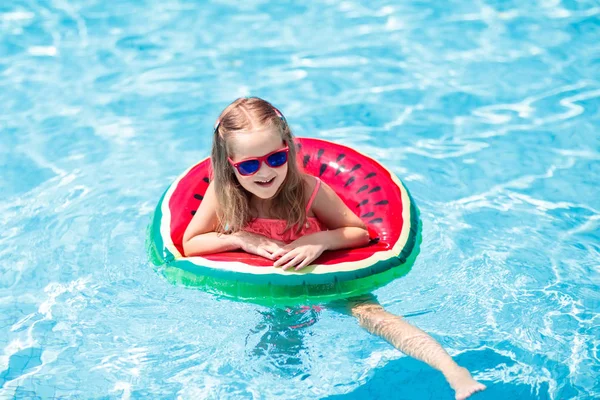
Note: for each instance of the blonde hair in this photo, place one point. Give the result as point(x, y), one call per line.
point(247, 114)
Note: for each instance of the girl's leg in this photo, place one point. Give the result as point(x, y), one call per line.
point(413, 342)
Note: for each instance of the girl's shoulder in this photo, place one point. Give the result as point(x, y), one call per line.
point(310, 184)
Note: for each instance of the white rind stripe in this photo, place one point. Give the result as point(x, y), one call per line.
point(165, 222)
point(243, 268)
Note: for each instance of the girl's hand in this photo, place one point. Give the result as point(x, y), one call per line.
point(300, 252)
point(258, 244)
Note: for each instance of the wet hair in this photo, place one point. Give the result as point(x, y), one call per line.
point(244, 116)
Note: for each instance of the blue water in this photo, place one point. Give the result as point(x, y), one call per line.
point(488, 110)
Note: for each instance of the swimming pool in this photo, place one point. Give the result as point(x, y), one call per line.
point(489, 111)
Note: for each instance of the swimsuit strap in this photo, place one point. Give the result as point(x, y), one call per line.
point(314, 194)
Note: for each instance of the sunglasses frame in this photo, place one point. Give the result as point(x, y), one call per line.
point(260, 160)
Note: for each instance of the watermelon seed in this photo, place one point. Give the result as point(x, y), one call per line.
point(320, 153)
point(362, 203)
point(375, 189)
point(367, 215)
point(198, 197)
point(357, 166)
point(340, 157)
point(370, 175)
point(382, 203)
point(349, 181)
point(338, 170)
point(322, 169)
point(305, 160)
point(364, 187)
point(376, 221)
point(205, 179)
point(194, 212)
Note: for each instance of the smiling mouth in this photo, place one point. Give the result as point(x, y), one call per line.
point(265, 183)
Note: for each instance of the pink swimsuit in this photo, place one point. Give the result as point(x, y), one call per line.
point(274, 228)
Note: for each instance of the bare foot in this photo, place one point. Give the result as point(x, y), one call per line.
point(463, 383)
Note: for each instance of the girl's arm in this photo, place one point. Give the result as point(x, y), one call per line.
point(200, 236)
point(345, 230)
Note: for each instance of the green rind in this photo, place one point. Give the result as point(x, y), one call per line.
point(154, 242)
point(224, 284)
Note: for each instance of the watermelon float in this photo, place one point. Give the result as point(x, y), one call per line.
point(374, 193)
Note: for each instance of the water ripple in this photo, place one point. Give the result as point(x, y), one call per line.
point(488, 111)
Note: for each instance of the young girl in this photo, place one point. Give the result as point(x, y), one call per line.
point(259, 201)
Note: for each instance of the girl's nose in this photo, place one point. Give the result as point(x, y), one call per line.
point(263, 168)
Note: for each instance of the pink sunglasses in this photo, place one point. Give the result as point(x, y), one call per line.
point(250, 166)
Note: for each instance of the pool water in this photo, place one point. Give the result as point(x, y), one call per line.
point(489, 111)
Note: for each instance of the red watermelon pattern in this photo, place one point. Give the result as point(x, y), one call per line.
point(363, 184)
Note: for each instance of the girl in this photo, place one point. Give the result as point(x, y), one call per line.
point(263, 204)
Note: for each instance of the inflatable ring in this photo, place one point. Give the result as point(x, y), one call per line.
point(374, 193)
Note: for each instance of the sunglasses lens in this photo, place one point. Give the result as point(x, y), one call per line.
point(277, 159)
point(248, 167)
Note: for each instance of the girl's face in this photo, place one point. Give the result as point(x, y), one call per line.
point(266, 181)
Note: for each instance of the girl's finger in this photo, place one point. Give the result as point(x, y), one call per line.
point(263, 253)
point(281, 252)
point(268, 248)
point(303, 264)
point(285, 258)
point(280, 260)
point(293, 262)
point(276, 254)
point(270, 251)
